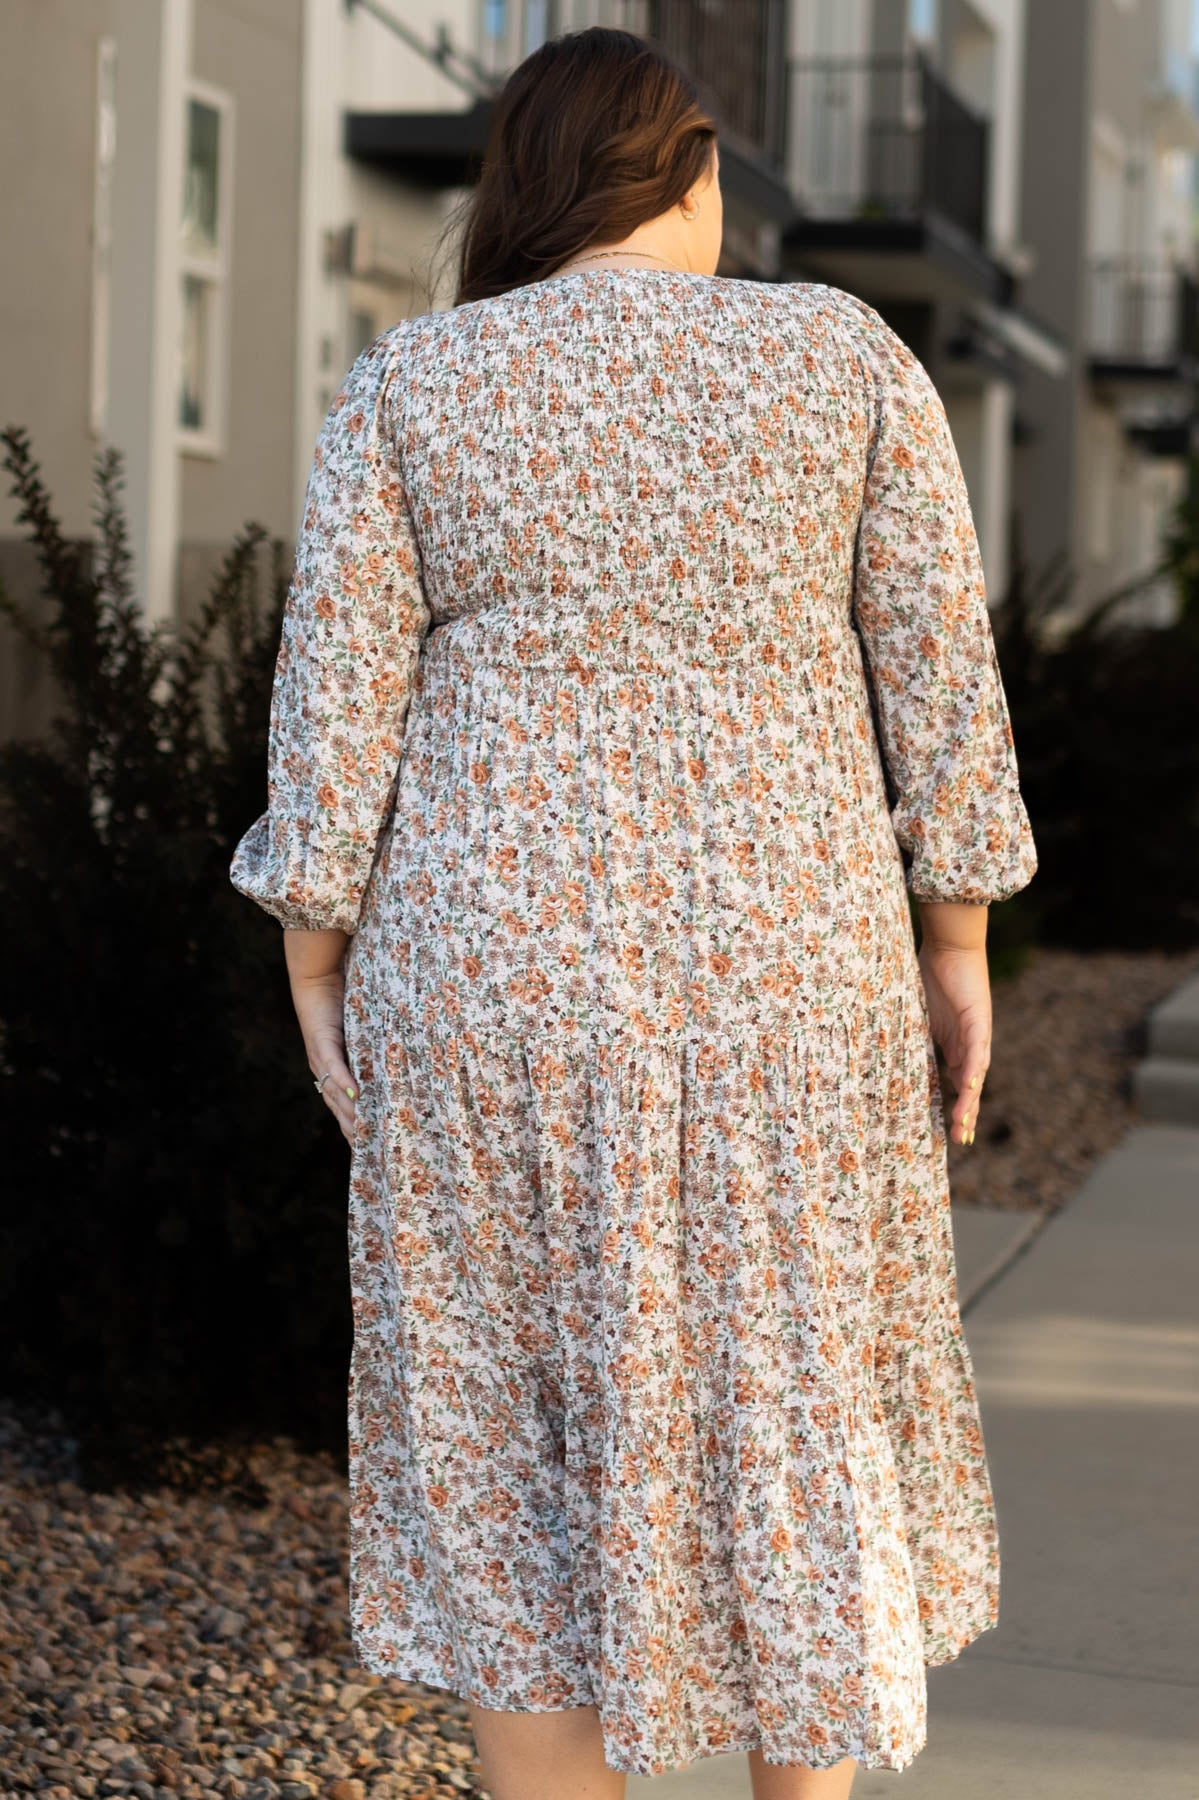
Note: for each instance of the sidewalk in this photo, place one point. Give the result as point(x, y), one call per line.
point(1086, 1350)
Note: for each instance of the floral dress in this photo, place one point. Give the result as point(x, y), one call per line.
point(636, 667)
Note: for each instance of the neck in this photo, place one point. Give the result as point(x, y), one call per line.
point(656, 258)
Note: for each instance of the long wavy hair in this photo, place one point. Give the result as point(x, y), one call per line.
point(592, 135)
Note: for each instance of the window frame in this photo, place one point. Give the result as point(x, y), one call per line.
point(103, 178)
point(213, 268)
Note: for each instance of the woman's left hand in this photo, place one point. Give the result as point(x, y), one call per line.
point(315, 967)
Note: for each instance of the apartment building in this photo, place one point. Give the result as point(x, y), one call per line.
point(152, 214)
point(222, 201)
point(905, 155)
point(1107, 196)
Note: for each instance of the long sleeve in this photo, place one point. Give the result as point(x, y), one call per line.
point(920, 609)
point(352, 629)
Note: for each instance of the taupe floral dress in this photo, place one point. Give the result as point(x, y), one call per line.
point(636, 664)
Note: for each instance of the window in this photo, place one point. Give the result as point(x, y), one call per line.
point(540, 24)
point(1102, 485)
point(204, 238)
point(1109, 192)
point(102, 240)
point(364, 328)
point(922, 19)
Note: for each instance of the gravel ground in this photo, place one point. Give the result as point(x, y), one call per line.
point(183, 1643)
point(166, 1644)
point(1066, 1032)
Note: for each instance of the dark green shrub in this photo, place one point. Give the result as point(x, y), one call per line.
point(174, 1215)
point(1104, 716)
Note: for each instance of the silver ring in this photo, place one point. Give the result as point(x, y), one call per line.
point(318, 1085)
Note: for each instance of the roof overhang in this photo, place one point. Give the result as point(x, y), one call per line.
point(1144, 380)
point(430, 149)
point(758, 186)
point(922, 257)
point(1026, 340)
point(445, 150)
point(1165, 437)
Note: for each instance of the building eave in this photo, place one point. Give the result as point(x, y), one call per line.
point(430, 149)
point(1167, 438)
point(445, 150)
point(1029, 340)
point(1143, 380)
point(920, 257)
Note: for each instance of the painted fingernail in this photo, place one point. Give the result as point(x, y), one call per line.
point(351, 1093)
point(974, 1081)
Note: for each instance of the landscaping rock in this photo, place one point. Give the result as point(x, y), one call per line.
point(153, 1643)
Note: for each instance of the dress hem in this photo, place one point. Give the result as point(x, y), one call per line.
point(645, 1767)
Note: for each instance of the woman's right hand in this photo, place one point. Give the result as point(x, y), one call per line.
point(957, 988)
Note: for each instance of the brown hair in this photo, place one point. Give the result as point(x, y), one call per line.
point(593, 134)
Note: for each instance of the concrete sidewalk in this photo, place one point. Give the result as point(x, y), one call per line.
point(1085, 1342)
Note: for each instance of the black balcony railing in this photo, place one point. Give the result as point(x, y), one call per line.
point(885, 137)
point(1144, 314)
point(736, 50)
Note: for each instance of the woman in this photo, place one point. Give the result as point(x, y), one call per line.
point(636, 668)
